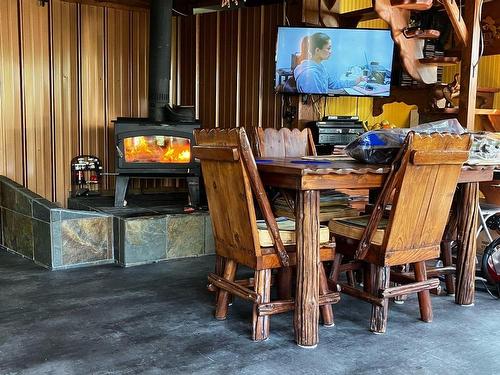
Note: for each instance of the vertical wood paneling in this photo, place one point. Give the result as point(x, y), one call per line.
point(250, 66)
point(271, 103)
point(208, 45)
point(187, 59)
point(65, 54)
point(36, 72)
point(139, 63)
point(11, 144)
point(93, 84)
point(118, 76)
point(228, 65)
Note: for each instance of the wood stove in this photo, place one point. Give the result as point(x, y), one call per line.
point(153, 149)
point(160, 145)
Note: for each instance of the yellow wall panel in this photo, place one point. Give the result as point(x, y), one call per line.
point(11, 143)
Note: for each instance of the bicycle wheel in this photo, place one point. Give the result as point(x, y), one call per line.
point(490, 265)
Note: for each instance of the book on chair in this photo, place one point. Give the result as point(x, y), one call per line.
point(354, 227)
point(287, 232)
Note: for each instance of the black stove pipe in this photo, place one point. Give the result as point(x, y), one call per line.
point(160, 30)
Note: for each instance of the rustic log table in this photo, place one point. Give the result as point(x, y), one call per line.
point(309, 177)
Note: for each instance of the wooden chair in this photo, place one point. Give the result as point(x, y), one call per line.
point(231, 181)
point(289, 143)
point(284, 142)
point(423, 178)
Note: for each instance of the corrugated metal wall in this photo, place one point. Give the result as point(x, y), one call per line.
point(232, 53)
point(67, 70)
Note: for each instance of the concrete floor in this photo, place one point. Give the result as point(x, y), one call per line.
point(157, 319)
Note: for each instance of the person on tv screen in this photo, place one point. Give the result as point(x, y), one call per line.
point(311, 75)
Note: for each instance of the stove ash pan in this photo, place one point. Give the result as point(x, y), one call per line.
point(148, 149)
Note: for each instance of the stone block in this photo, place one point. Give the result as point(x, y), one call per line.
point(41, 209)
point(42, 243)
point(86, 240)
point(144, 240)
point(17, 230)
point(17, 198)
point(185, 235)
point(55, 231)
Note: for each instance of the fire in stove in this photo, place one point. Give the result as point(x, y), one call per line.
point(157, 149)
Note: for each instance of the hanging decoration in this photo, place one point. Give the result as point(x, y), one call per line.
point(228, 3)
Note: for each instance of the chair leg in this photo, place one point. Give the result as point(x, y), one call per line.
point(351, 280)
point(220, 262)
point(424, 297)
point(284, 283)
point(446, 257)
point(380, 278)
point(222, 297)
point(326, 310)
point(260, 324)
point(335, 270)
point(402, 298)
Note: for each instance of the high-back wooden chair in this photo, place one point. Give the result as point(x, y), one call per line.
point(231, 181)
point(284, 142)
point(423, 179)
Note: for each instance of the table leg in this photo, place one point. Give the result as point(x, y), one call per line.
point(467, 227)
point(306, 316)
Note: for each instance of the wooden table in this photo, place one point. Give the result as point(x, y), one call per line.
point(308, 178)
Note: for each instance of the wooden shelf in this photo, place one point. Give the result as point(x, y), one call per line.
point(479, 111)
point(412, 4)
point(486, 111)
point(421, 34)
point(441, 61)
point(449, 111)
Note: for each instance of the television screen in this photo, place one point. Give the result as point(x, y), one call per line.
point(334, 61)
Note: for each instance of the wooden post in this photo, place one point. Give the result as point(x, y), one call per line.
point(378, 323)
point(467, 226)
point(260, 324)
point(469, 65)
point(306, 314)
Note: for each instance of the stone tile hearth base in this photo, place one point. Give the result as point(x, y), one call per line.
point(94, 232)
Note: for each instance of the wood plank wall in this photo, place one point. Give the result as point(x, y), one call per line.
point(232, 53)
point(67, 70)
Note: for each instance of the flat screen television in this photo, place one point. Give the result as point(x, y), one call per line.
point(334, 61)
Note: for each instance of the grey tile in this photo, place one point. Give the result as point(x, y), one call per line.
point(17, 232)
point(41, 209)
point(118, 239)
point(86, 240)
point(42, 243)
point(56, 243)
point(144, 240)
point(55, 215)
point(74, 214)
point(185, 235)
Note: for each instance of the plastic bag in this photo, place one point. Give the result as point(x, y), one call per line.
point(382, 146)
point(485, 149)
